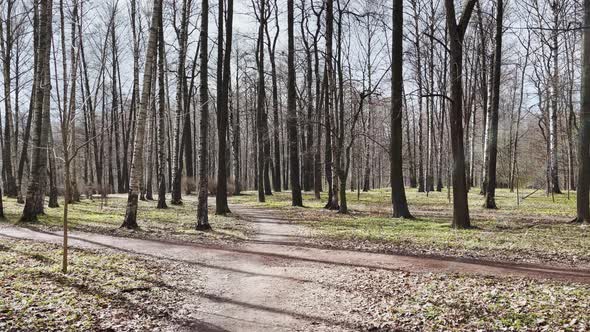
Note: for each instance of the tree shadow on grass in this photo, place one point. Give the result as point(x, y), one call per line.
point(432, 263)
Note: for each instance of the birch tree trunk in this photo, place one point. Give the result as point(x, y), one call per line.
point(136, 174)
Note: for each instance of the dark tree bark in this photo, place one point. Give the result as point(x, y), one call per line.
point(292, 135)
point(556, 88)
point(490, 188)
point(456, 35)
point(10, 147)
point(421, 183)
point(272, 42)
point(260, 104)
point(53, 193)
point(398, 192)
point(308, 150)
point(236, 140)
point(202, 213)
point(32, 103)
point(221, 206)
point(36, 189)
point(161, 129)
point(317, 170)
point(183, 144)
point(582, 199)
point(332, 203)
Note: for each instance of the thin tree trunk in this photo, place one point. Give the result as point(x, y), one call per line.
point(138, 142)
point(202, 213)
point(582, 198)
point(292, 135)
point(221, 205)
point(490, 189)
point(9, 151)
point(260, 103)
point(398, 192)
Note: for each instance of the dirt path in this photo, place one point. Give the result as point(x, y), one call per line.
point(274, 283)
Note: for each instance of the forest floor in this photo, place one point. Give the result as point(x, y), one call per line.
point(273, 273)
point(535, 230)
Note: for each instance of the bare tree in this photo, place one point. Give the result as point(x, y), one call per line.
point(398, 192)
point(293, 137)
point(582, 200)
point(456, 35)
point(38, 174)
point(161, 120)
point(202, 213)
point(490, 188)
point(138, 141)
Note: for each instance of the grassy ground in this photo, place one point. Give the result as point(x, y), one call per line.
point(534, 230)
point(103, 290)
point(106, 216)
point(111, 291)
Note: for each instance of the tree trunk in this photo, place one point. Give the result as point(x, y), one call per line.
point(260, 104)
point(9, 151)
point(490, 189)
point(221, 206)
point(398, 192)
point(138, 142)
point(418, 74)
point(456, 35)
point(36, 189)
point(161, 128)
point(236, 142)
point(329, 95)
point(292, 135)
point(202, 213)
point(582, 199)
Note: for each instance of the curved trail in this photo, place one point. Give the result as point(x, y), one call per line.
point(272, 282)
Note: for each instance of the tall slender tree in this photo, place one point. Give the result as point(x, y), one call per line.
point(582, 199)
point(202, 213)
point(136, 174)
point(490, 188)
point(161, 121)
point(224, 61)
point(292, 135)
point(329, 98)
point(10, 146)
point(38, 174)
point(261, 104)
point(182, 141)
point(456, 36)
point(398, 192)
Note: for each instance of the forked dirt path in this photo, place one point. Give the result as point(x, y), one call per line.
point(274, 282)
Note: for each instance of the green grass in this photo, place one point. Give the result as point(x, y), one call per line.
point(107, 216)
point(509, 239)
point(535, 229)
point(538, 204)
point(35, 295)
